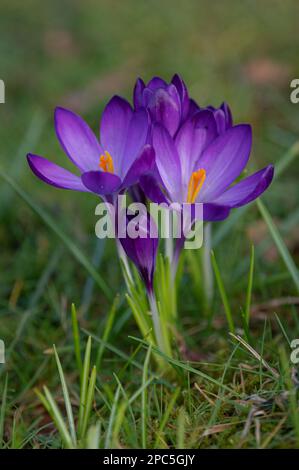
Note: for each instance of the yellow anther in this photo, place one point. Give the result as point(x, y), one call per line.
point(106, 162)
point(195, 183)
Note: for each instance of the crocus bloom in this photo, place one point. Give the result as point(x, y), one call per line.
point(199, 166)
point(142, 250)
point(107, 166)
point(168, 104)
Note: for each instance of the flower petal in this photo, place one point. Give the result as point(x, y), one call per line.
point(135, 140)
point(180, 85)
point(152, 190)
point(53, 174)
point(114, 127)
point(155, 83)
point(77, 139)
point(192, 138)
point(224, 160)
point(137, 94)
point(164, 107)
point(168, 162)
point(215, 212)
point(248, 189)
point(143, 164)
point(101, 183)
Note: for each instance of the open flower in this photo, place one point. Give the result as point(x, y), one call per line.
point(168, 104)
point(106, 167)
point(200, 166)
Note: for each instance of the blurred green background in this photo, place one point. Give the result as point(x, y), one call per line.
point(79, 53)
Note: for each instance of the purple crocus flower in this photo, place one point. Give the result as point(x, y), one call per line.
point(168, 104)
point(107, 166)
point(142, 250)
point(199, 166)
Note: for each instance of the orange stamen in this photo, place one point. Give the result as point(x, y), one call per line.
point(106, 162)
point(195, 183)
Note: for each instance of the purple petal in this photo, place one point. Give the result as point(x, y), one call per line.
point(248, 189)
point(228, 115)
point(220, 120)
point(114, 127)
point(168, 162)
point(53, 174)
point(101, 183)
point(77, 139)
point(155, 83)
point(193, 108)
point(215, 212)
point(183, 93)
point(152, 189)
point(143, 250)
point(164, 107)
point(189, 143)
point(142, 165)
point(138, 92)
point(224, 160)
point(135, 140)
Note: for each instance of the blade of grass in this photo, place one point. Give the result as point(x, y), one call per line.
point(68, 242)
point(84, 387)
point(111, 419)
point(93, 436)
point(144, 403)
point(3, 410)
point(89, 399)
point(76, 337)
point(249, 287)
point(223, 295)
point(280, 244)
point(50, 405)
point(107, 330)
point(165, 417)
point(67, 401)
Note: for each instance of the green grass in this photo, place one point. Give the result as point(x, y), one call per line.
point(59, 285)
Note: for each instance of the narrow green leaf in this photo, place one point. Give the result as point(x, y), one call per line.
point(223, 295)
point(107, 330)
point(249, 287)
point(144, 402)
point(3, 410)
point(84, 386)
point(89, 399)
point(76, 337)
point(53, 409)
point(67, 401)
point(280, 244)
point(111, 419)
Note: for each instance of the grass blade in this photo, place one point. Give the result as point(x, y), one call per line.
point(67, 401)
point(107, 330)
point(84, 386)
point(280, 244)
point(223, 295)
point(50, 405)
point(76, 337)
point(249, 287)
point(111, 419)
point(144, 403)
point(89, 399)
point(2, 411)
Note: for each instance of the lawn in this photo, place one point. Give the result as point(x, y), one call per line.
point(230, 382)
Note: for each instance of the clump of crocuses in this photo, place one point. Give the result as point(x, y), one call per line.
point(167, 149)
